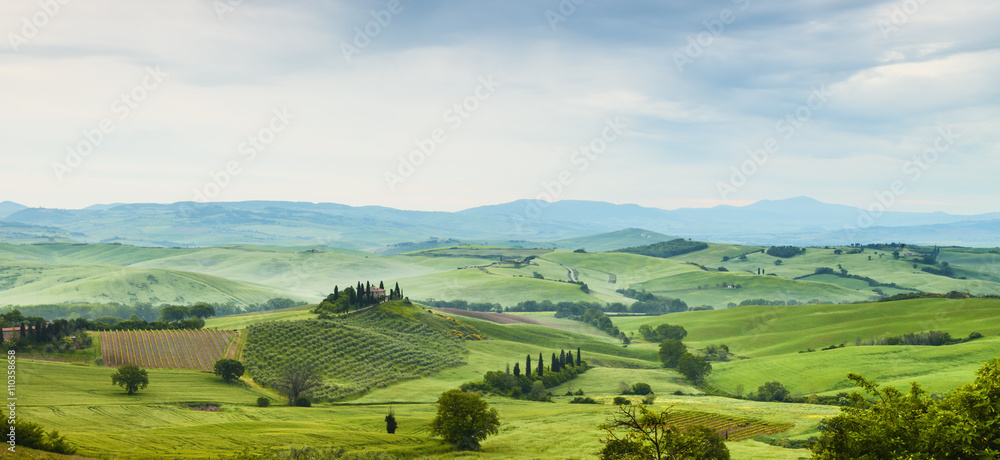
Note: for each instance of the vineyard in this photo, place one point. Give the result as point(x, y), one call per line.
point(732, 429)
point(173, 349)
point(355, 354)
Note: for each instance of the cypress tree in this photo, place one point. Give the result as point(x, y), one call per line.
point(554, 367)
point(380, 285)
point(517, 369)
point(562, 358)
point(577, 356)
point(336, 292)
point(24, 334)
point(508, 368)
point(541, 365)
point(527, 366)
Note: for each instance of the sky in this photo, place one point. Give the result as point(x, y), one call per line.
point(447, 105)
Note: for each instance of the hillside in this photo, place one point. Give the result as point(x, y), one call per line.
point(772, 337)
point(30, 283)
point(613, 240)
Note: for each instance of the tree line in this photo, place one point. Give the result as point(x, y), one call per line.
point(146, 311)
point(531, 384)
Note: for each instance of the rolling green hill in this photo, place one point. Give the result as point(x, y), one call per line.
point(771, 337)
point(613, 240)
point(29, 283)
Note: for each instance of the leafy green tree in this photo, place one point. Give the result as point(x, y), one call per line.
point(636, 433)
point(229, 369)
point(203, 311)
point(298, 378)
point(464, 419)
point(772, 391)
point(131, 378)
point(694, 368)
point(174, 313)
point(671, 351)
point(641, 389)
point(960, 425)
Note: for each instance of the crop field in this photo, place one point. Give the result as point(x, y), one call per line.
point(733, 429)
point(355, 354)
point(184, 349)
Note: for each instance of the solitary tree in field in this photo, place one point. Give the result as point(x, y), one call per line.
point(464, 419)
point(671, 351)
point(695, 368)
point(298, 378)
point(390, 422)
point(131, 378)
point(228, 369)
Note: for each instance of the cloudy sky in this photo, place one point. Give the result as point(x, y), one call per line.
point(445, 105)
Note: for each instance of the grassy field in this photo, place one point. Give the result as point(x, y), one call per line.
point(79, 401)
point(773, 336)
point(29, 283)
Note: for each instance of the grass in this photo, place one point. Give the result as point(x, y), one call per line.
point(30, 283)
point(241, 321)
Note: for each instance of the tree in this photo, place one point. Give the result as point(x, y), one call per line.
point(671, 351)
point(298, 378)
point(636, 433)
point(562, 358)
point(838, 251)
point(131, 378)
point(517, 369)
point(203, 311)
point(777, 262)
point(390, 422)
point(693, 367)
point(772, 391)
point(464, 419)
point(961, 424)
point(541, 366)
point(527, 367)
point(174, 313)
point(229, 369)
point(555, 363)
point(577, 356)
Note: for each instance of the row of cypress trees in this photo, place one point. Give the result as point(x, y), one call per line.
point(558, 363)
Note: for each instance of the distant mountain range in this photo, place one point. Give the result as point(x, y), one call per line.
point(799, 220)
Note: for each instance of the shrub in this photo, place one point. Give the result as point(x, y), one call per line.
point(303, 401)
point(263, 401)
point(641, 389)
point(622, 401)
point(648, 399)
point(579, 392)
point(583, 400)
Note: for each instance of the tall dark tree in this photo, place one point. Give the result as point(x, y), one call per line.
point(24, 333)
point(577, 356)
point(555, 363)
point(517, 369)
point(381, 286)
point(336, 292)
point(390, 422)
point(541, 366)
point(562, 358)
point(527, 367)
